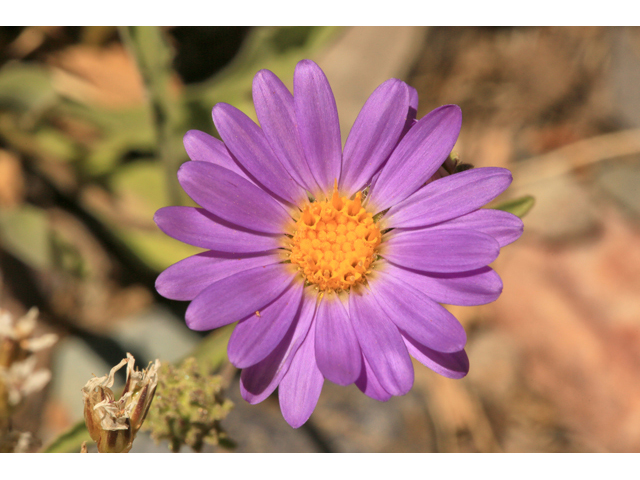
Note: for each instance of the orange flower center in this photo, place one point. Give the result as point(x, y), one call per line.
point(335, 242)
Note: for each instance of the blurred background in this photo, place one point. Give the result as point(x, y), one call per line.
point(91, 126)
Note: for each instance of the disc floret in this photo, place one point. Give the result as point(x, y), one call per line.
point(335, 241)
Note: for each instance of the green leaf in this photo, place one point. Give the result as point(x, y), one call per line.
point(211, 352)
point(121, 131)
point(25, 88)
point(154, 248)
point(519, 206)
point(26, 234)
point(70, 441)
point(53, 142)
point(139, 189)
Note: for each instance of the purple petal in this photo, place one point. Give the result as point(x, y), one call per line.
point(257, 336)
point(337, 349)
point(187, 278)
point(258, 381)
point(202, 147)
point(381, 343)
point(276, 113)
point(441, 250)
point(418, 155)
point(369, 384)
point(374, 134)
point(318, 123)
point(451, 365)
point(232, 198)
point(237, 296)
point(476, 287)
point(413, 312)
point(196, 226)
point(505, 227)
point(301, 386)
point(249, 145)
point(449, 197)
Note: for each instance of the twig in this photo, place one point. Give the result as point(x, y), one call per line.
point(154, 57)
point(576, 155)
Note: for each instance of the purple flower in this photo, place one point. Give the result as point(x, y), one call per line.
point(334, 263)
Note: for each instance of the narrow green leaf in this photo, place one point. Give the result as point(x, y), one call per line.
point(70, 441)
point(211, 352)
point(519, 206)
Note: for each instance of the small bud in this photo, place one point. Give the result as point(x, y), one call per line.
point(112, 424)
point(451, 166)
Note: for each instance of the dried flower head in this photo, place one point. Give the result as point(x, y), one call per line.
point(113, 424)
point(22, 379)
point(17, 442)
point(16, 342)
point(18, 374)
point(188, 408)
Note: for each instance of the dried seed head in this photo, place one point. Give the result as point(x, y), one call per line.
point(18, 374)
point(22, 379)
point(17, 442)
point(113, 424)
point(16, 342)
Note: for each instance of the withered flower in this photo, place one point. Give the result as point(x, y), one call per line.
point(112, 424)
point(17, 442)
point(21, 379)
point(18, 374)
point(16, 342)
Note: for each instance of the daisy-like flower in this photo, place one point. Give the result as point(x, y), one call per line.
point(334, 263)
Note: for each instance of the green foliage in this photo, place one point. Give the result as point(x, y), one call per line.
point(120, 132)
point(519, 206)
point(32, 112)
point(25, 88)
point(70, 441)
point(25, 233)
point(211, 352)
point(154, 56)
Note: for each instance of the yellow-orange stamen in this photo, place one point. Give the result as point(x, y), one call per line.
point(335, 241)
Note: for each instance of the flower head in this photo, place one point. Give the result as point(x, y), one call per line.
point(334, 261)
